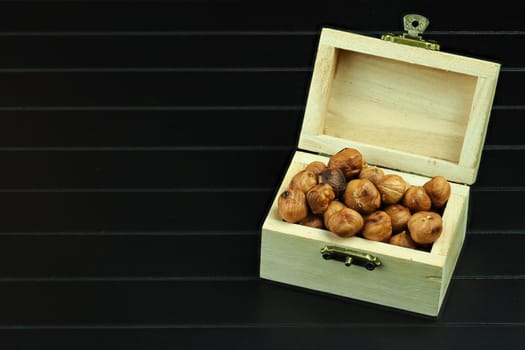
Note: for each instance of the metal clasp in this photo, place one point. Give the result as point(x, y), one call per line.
point(414, 25)
point(350, 257)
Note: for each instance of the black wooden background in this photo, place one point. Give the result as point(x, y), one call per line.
point(141, 144)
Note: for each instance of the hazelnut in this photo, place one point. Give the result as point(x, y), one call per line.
point(333, 177)
point(392, 188)
point(292, 205)
point(403, 239)
point(416, 199)
point(438, 189)
point(349, 160)
point(303, 180)
point(425, 227)
point(377, 226)
point(399, 216)
point(316, 167)
point(345, 223)
point(333, 208)
point(312, 220)
point(362, 195)
point(319, 197)
point(371, 173)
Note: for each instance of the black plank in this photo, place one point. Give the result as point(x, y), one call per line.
point(491, 255)
point(152, 88)
point(492, 164)
point(496, 210)
point(200, 255)
point(272, 15)
point(133, 211)
point(144, 169)
point(183, 210)
point(172, 88)
point(194, 303)
point(273, 337)
point(157, 128)
point(502, 128)
point(150, 128)
point(225, 50)
point(101, 256)
point(162, 50)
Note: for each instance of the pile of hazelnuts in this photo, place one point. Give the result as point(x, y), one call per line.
point(350, 198)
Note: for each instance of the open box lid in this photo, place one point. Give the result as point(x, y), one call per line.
point(402, 107)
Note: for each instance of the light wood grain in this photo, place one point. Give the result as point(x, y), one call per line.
point(290, 253)
point(430, 108)
point(399, 283)
point(320, 89)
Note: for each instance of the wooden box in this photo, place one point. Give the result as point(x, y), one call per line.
point(418, 111)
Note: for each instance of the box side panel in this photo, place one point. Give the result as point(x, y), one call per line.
point(477, 125)
point(319, 92)
point(398, 283)
point(454, 249)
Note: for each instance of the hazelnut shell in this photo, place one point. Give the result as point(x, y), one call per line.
point(316, 167)
point(392, 188)
point(312, 220)
point(399, 215)
point(319, 197)
point(292, 205)
point(345, 223)
point(438, 189)
point(304, 180)
point(403, 239)
point(371, 173)
point(425, 227)
point(362, 195)
point(416, 199)
point(333, 208)
point(333, 177)
point(377, 227)
point(349, 160)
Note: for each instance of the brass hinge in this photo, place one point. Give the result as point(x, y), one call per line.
point(414, 25)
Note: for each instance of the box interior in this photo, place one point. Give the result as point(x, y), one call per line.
point(440, 248)
point(399, 105)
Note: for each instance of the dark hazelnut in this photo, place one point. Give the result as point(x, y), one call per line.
point(333, 177)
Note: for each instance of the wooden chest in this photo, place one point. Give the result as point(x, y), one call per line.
point(411, 111)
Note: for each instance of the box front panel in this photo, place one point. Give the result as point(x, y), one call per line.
point(398, 283)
